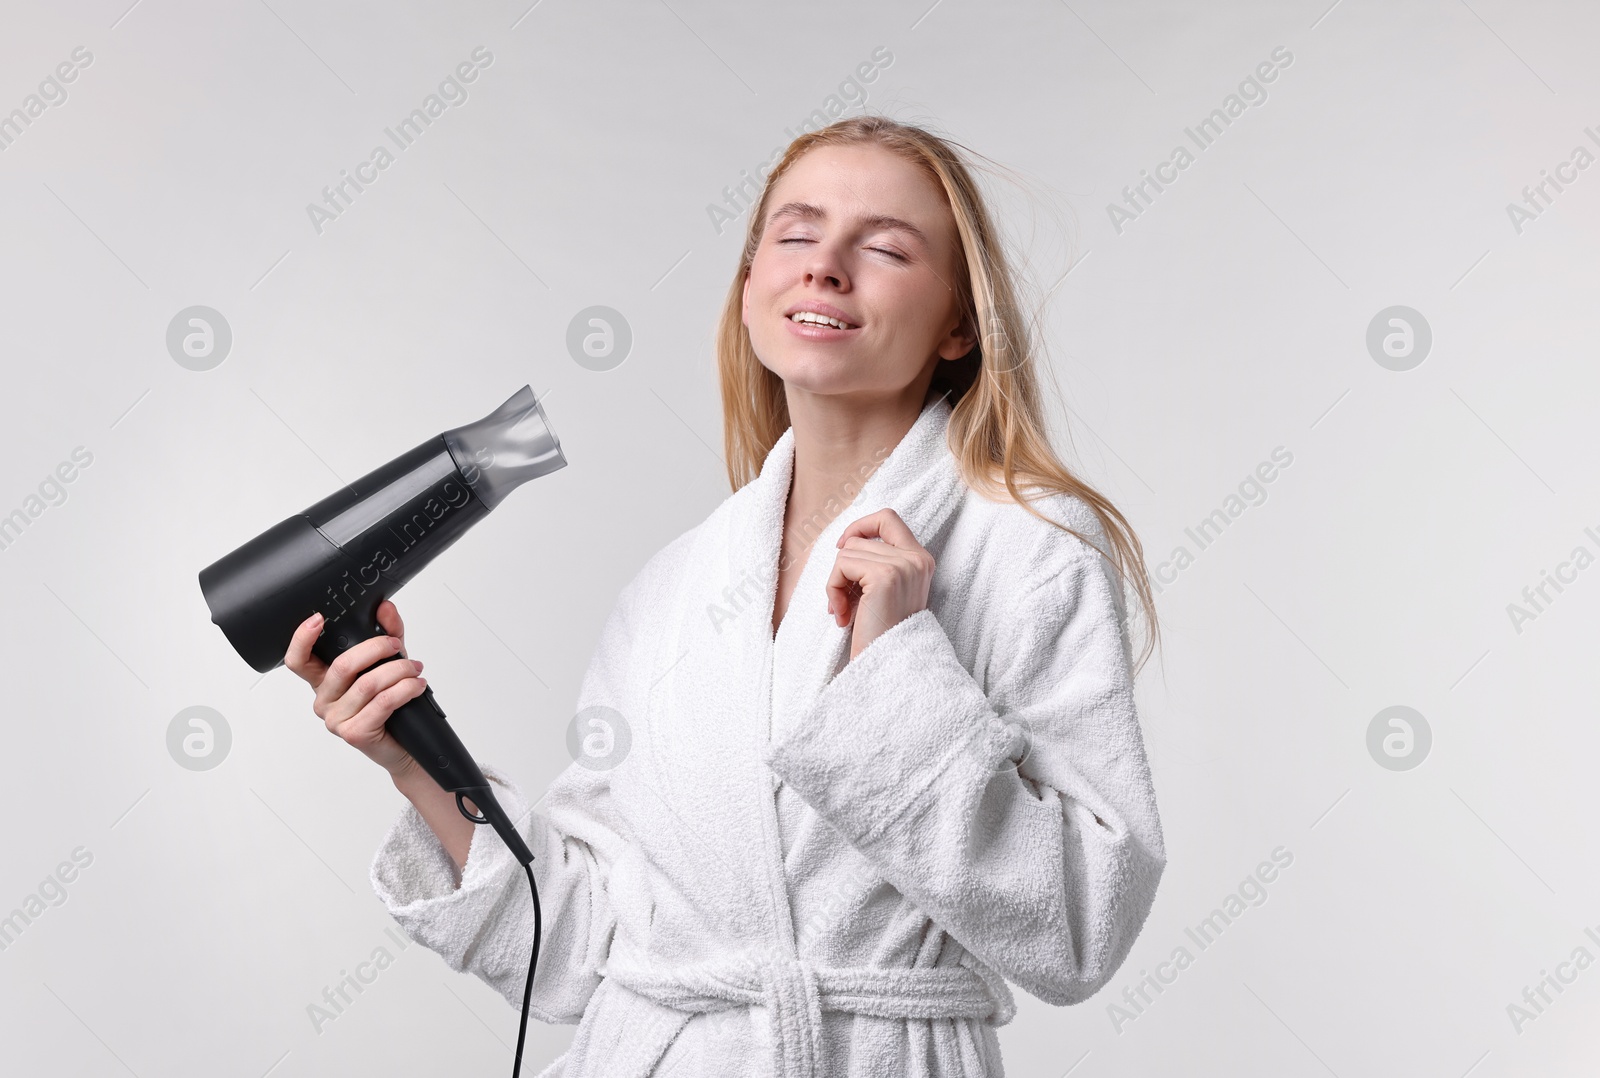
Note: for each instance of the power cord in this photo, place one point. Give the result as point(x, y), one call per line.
point(538, 928)
point(533, 963)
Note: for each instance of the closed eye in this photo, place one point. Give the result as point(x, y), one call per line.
point(880, 250)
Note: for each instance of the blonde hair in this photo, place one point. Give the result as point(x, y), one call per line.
point(996, 431)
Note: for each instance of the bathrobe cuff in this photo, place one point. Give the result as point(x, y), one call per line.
point(485, 926)
point(882, 732)
point(477, 926)
point(412, 869)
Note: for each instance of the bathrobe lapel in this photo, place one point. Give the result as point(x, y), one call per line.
point(921, 871)
point(725, 688)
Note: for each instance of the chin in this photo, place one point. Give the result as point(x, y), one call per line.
point(816, 374)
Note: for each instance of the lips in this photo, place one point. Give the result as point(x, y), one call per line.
point(818, 332)
point(818, 307)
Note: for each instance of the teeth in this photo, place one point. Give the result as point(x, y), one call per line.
point(819, 319)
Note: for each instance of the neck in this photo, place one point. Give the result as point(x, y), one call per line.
point(838, 444)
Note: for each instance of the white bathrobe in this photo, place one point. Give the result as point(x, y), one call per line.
point(804, 865)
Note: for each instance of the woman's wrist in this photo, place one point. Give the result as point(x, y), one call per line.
point(419, 787)
point(410, 779)
point(437, 807)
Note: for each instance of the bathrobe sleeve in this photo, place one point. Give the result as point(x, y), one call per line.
point(1022, 821)
point(485, 927)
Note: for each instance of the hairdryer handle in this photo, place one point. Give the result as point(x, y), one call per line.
point(419, 726)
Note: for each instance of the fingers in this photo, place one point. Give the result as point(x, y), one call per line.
point(865, 564)
point(885, 524)
point(872, 549)
point(389, 618)
point(841, 603)
point(344, 670)
point(299, 658)
point(842, 588)
point(368, 688)
point(850, 569)
point(366, 726)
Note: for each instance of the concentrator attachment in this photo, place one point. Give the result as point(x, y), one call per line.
point(506, 448)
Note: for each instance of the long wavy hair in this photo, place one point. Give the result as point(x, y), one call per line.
point(996, 431)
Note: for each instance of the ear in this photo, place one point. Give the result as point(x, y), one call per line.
point(744, 304)
point(959, 341)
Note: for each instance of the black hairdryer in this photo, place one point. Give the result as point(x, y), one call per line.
point(356, 548)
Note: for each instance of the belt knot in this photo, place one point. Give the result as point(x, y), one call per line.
point(795, 992)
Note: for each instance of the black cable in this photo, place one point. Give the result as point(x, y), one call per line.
point(533, 964)
point(538, 931)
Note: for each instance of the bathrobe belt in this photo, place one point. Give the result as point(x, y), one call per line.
point(796, 992)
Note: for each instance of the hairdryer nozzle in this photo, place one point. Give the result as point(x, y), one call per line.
point(506, 448)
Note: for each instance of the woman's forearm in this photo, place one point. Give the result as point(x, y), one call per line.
point(438, 808)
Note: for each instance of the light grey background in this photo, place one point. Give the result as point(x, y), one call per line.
point(1228, 320)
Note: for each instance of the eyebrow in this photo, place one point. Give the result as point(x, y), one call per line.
point(811, 211)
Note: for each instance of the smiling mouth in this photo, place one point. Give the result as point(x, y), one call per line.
point(809, 318)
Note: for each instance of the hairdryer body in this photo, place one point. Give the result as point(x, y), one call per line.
point(355, 548)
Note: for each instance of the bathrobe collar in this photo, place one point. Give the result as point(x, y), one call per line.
point(918, 480)
point(730, 689)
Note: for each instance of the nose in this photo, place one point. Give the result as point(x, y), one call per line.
point(826, 266)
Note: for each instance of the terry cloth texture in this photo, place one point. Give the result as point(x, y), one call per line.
point(811, 866)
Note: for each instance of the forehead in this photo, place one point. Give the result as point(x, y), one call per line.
point(841, 185)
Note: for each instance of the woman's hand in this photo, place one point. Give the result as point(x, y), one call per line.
point(881, 577)
point(356, 708)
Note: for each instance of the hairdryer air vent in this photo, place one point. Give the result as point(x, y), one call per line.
point(506, 448)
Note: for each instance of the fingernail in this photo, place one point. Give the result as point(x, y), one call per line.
point(316, 619)
point(418, 662)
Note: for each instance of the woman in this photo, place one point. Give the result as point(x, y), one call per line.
point(884, 754)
